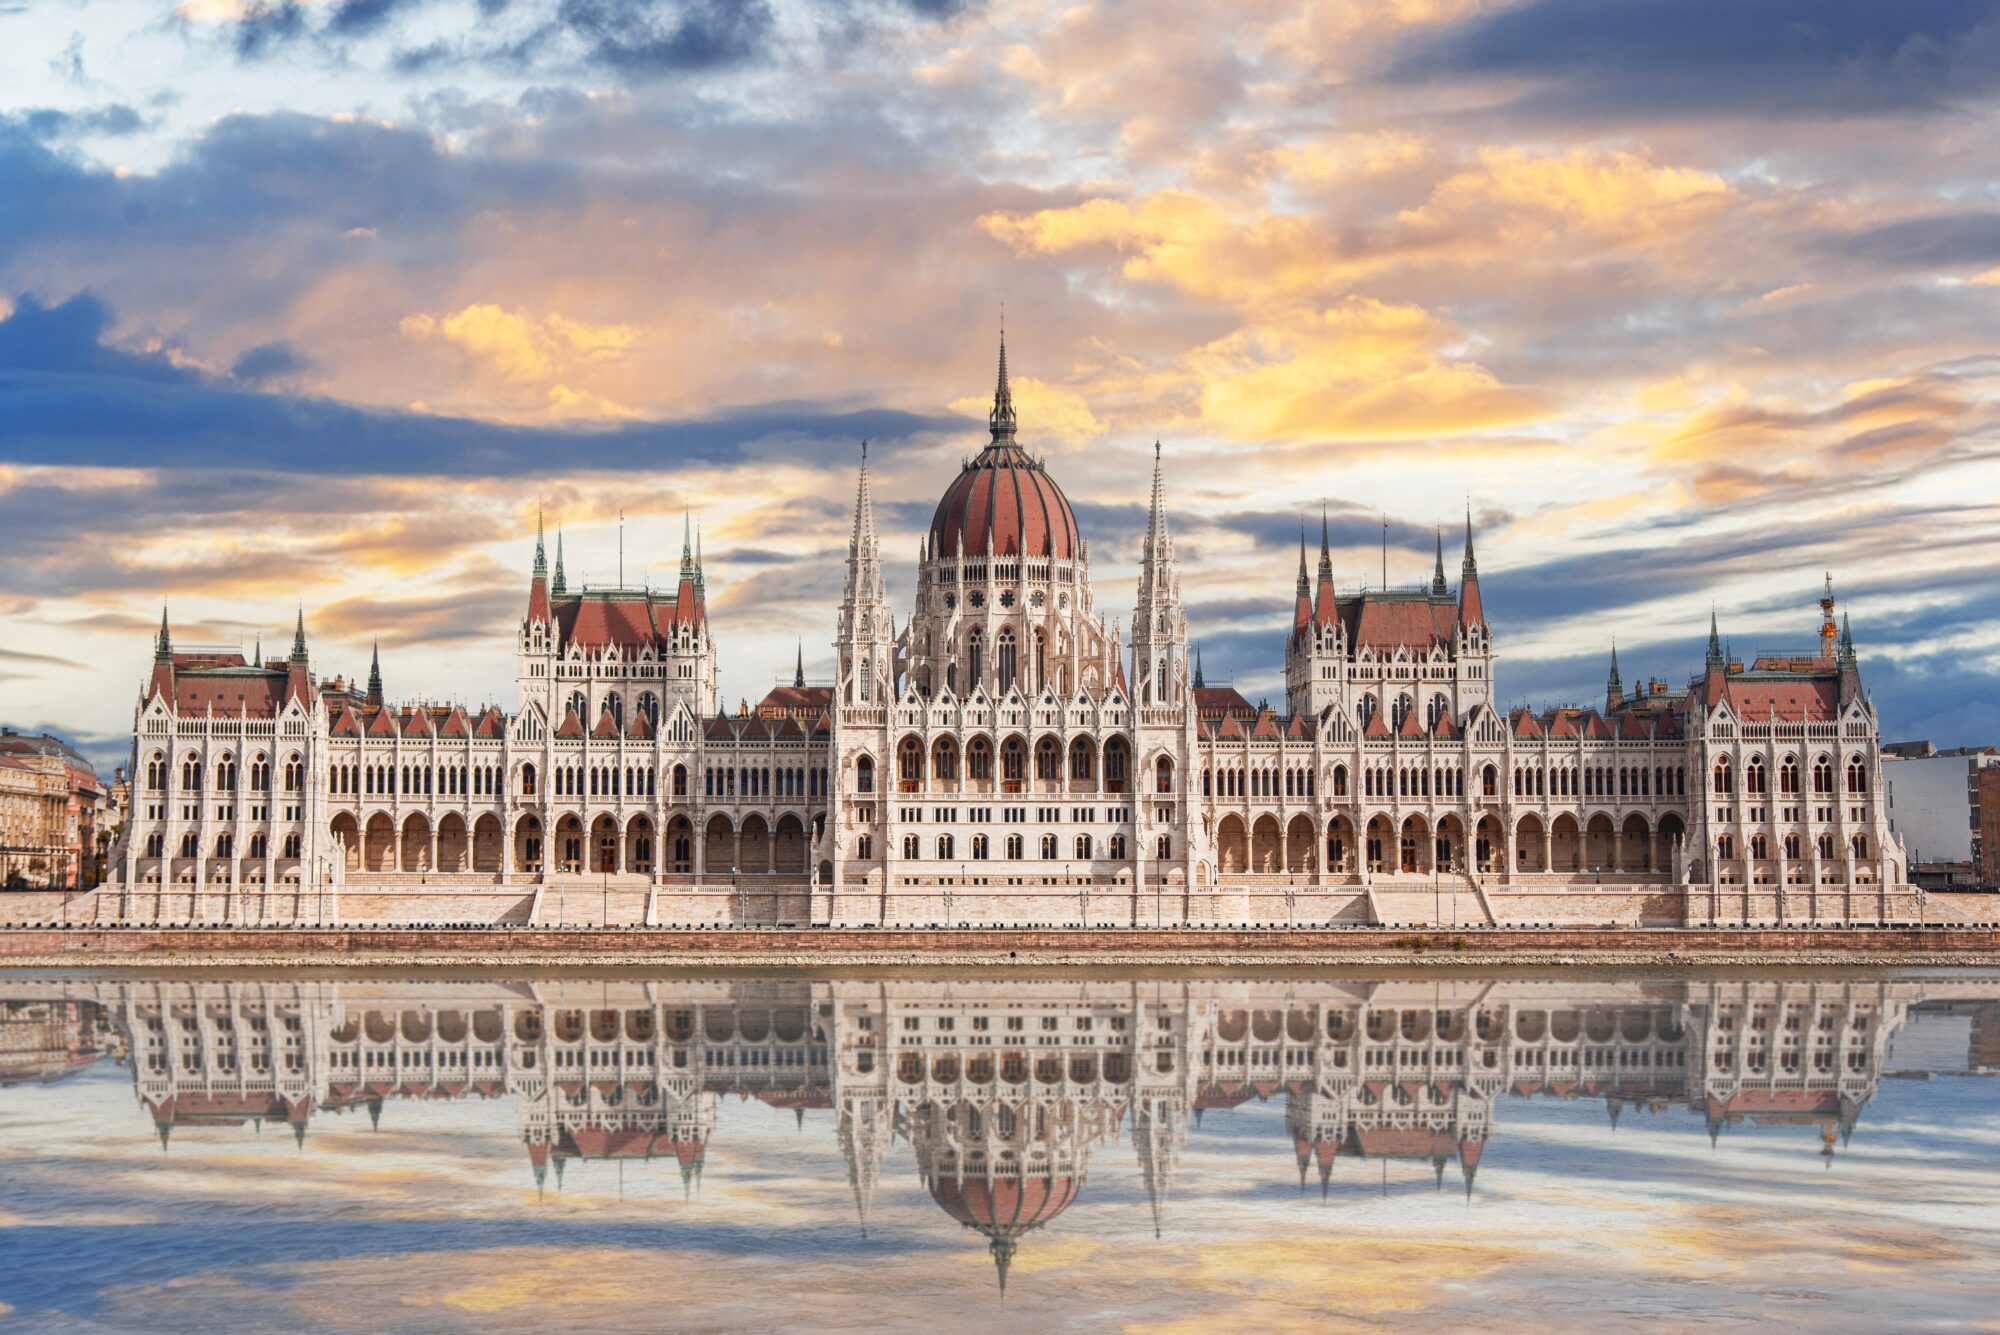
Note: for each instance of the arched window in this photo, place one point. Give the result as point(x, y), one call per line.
point(1048, 760)
point(1081, 768)
point(1163, 775)
point(1013, 760)
point(1115, 764)
point(1364, 709)
point(1083, 847)
point(1788, 777)
point(864, 774)
point(1340, 781)
point(975, 659)
point(1860, 845)
point(156, 772)
point(979, 759)
point(579, 705)
point(649, 705)
point(1857, 780)
point(1435, 712)
point(1006, 642)
point(1041, 664)
point(680, 781)
point(615, 707)
point(527, 780)
point(1399, 711)
point(1725, 781)
point(155, 844)
point(910, 761)
point(1489, 781)
point(1753, 777)
point(944, 847)
point(191, 775)
point(1822, 775)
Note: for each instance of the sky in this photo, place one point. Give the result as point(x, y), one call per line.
point(320, 304)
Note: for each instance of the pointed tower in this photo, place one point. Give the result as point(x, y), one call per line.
point(561, 586)
point(1199, 683)
point(1159, 623)
point(161, 684)
point(799, 671)
point(1315, 666)
point(538, 580)
point(375, 677)
point(1471, 610)
point(1717, 660)
point(298, 672)
point(1302, 607)
point(1439, 589)
point(866, 645)
point(1614, 686)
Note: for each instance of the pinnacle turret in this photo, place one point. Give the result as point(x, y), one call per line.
point(1614, 686)
point(163, 643)
point(799, 672)
point(1001, 420)
point(1716, 658)
point(541, 549)
point(560, 586)
point(375, 676)
point(1439, 588)
point(299, 638)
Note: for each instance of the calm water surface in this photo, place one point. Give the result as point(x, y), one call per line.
point(1034, 1154)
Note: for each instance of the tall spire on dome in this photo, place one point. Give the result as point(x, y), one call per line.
point(560, 586)
point(1438, 587)
point(1001, 420)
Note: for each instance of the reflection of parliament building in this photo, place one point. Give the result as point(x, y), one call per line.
point(1004, 1091)
point(1005, 755)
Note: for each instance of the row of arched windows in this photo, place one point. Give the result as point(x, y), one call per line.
point(193, 773)
point(1755, 780)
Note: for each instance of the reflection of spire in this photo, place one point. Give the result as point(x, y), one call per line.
point(1159, 1130)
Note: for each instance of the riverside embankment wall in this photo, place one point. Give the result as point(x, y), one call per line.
point(150, 948)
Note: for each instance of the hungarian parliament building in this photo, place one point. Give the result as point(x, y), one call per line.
point(1005, 756)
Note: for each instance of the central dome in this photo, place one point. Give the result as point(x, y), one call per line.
point(1004, 503)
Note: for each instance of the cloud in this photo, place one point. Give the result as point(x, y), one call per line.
point(276, 360)
point(64, 389)
point(1700, 59)
point(643, 38)
point(523, 347)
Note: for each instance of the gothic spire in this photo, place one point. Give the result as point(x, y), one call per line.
point(1438, 587)
point(863, 541)
point(299, 637)
point(799, 672)
point(700, 575)
point(1846, 641)
point(541, 549)
point(163, 643)
point(560, 586)
point(1715, 654)
point(687, 546)
point(259, 662)
point(1199, 683)
point(1305, 587)
point(1001, 420)
point(1614, 686)
point(1325, 549)
point(1157, 539)
point(1470, 569)
point(375, 675)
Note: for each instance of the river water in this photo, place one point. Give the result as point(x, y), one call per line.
point(1054, 1152)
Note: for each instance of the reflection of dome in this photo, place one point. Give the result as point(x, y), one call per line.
point(1004, 503)
point(1004, 1208)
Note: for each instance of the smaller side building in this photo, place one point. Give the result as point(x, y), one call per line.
point(1988, 798)
point(1934, 799)
point(63, 850)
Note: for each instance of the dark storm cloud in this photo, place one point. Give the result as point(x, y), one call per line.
point(267, 24)
point(1700, 58)
point(50, 123)
point(1940, 241)
point(277, 360)
point(65, 395)
point(643, 37)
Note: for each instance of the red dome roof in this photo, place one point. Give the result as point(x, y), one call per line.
point(1004, 503)
point(1006, 1205)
